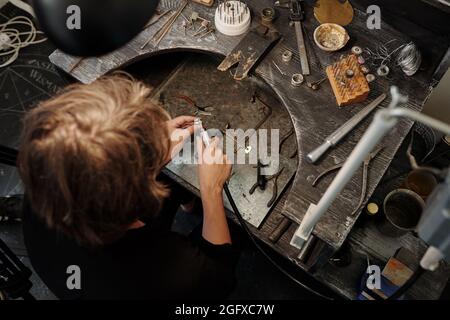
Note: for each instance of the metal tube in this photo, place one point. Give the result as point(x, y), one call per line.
point(345, 129)
point(377, 130)
point(383, 122)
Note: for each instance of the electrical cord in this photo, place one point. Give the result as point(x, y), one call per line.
point(12, 40)
point(250, 235)
point(408, 284)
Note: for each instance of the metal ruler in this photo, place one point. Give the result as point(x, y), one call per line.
point(297, 15)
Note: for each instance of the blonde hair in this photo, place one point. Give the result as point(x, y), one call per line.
point(90, 158)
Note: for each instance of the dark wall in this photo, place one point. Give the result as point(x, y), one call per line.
point(420, 12)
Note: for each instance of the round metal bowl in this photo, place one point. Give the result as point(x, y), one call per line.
point(331, 37)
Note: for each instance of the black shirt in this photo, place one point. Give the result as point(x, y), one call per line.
point(147, 263)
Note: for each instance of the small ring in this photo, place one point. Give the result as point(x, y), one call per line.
point(383, 71)
point(357, 50)
point(370, 77)
point(297, 79)
point(287, 56)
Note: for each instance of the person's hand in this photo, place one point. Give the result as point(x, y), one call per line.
point(214, 167)
point(180, 129)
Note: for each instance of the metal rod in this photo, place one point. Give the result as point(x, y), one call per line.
point(384, 121)
point(341, 132)
point(302, 48)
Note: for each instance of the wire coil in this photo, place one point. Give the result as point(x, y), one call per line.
point(13, 40)
point(409, 59)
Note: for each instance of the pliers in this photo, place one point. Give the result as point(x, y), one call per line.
point(261, 180)
point(205, 111)
point(273, 178)
point(366, 163)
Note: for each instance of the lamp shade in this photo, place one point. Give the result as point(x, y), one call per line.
point(92, 28)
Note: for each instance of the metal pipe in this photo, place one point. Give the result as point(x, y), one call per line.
point(383, 122)
point(345, 129)
point(371, 138)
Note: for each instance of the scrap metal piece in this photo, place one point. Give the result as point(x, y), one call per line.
point(200, 111)
point(297, 16)
point(166, 28)
point(286, 56)
point(247, 53)
point(275, 188)
point(156, 18)
point(207, 3)
point(315, 85)
point(383, 71)
point(261, 180)
point(365, 69)
point(341, 132)
point(285, 137)
point(278, 68)
point(365, 177)
point(372, 209)
point(349, 73)
point(280, 229)
point(370, 78)
point(297, 79)
point(357, 50)
point(361, 60)
point(267, 16)
point(309, 245)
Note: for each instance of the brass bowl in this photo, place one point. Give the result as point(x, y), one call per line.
point(331, 37)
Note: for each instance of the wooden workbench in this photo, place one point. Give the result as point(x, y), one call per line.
point(314, 115)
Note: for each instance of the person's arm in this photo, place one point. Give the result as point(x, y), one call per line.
point(213, 170)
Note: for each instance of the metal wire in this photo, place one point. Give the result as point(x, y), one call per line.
point(407, 56)
point(409, 59)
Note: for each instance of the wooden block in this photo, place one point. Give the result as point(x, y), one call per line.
point(396, 272)
point(348, 81)
point(207, 3)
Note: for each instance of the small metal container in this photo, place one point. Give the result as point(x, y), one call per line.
point(267, 16)
point(287, 56)
point(297, 80)
point(402, 212)
point(331, 37)
point(421, 182)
